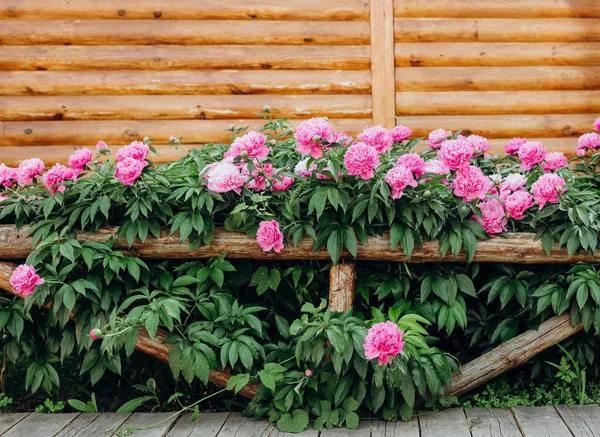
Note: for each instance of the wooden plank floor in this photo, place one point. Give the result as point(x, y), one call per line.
point(561, 421)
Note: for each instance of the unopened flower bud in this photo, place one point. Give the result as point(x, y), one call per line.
point(316, 138)
point(308, 373)
point(244, 153)
point(266, 108)
point(272, 142)
point(96, 334)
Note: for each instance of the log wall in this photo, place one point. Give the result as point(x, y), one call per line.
point(74, 72)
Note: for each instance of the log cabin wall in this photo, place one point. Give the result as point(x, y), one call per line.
point(76, 71)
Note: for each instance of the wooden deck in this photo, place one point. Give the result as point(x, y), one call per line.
point(562, 421)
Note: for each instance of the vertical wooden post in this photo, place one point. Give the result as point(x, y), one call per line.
point(341, 287)
point(383, 90)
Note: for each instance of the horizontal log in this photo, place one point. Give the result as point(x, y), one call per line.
point(433, 54)
point(183, 32)
point(166, 57)
point(25, 83)
point(180, 107)
point(497, 78)
point(495, 29)
point(37, 133)
point(496, 102)
point(342, 10)
point(155, 348)
point(496, 9)
point(512, 354)
point(518, 248)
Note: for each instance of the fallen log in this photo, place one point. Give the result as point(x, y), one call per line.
point(517, 248)
point(145, 344)
point(341, 287)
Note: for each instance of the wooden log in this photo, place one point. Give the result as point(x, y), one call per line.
point(145, 344)
point(26, 108)
point(496, 30)
point(342, 10)
point(341, 287)
point(434, 54)
point(496, 9)
point(182, 32)
point(36, 133)
point(165, 57)
point(492, 102)
point(497, 78)
point(512, 354)
point(517, 248)
point(26, 83)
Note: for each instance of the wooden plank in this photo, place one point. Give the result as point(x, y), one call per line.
point(26, 83)
point(240, 426)
point(207, 425)
point(512, 354)
point(497, 8)
point(480, 54)
point(497, 78)
point(150, 424)
point(496, 422)
point(496, 29)
point(382, 428)
point(164, 57)
point(8, 420)
point(342, 10)
point(493, 102)
point(364, 430)
point(20, 108)
point(341, 287)
point(183, 32)
point(36, 133)
point(382, 62)
point(540, 422)
point(451, 422)
point(41, 425)
point(582, 420)
point(519, 247)
point(93, 425)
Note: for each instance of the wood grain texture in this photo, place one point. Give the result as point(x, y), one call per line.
point(93, 425)
point(41, 425)
point(451, 422)
point(540, 422)
point(341, 287)
point(238, 82)
point(582, 420)
point(496, 29)
point(26, 108)
point(496, 422)
point(512, 354)
point(120, 132)
point(208, 425)
point(497, 8)
point(481, 54)
point(497, 78)
point(164, 57)
point(493, 102)
point(342, 10)
point(183, 32)
point(380, 428)
point(8, 420)
point(150, 424)
point(239, 426)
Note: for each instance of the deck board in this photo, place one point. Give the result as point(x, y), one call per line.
point(485, 422)
point(92, 425)
point(207, 425)
point(7, 421)
point(582, 421)
point(540, 422)
point(41, 425)
point(451, 422)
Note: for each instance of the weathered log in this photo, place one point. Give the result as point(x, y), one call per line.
point(145, 344)
point(518, 248)
point(512, 354)
point(341, 287)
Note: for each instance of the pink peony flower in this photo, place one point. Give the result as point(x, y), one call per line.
point(253, 143)
point(470, 184)
point(225, 177)
point(546, 189)
point(378, 137)
point(29, 170)
point(597, 124)
point(79, 159)
point(301, 169)
point(589, 141)
point(514, 145)
point(455, 154)
point(530, 154)
point(344, 139)
point(282, 183)
point(413, 162)
point(493, 217)
point(54, 177)
point(360, 160)
point(437, 136)
point(8, 176)
point(311, 134)
point(129, 170)
point(398, 178)
point(435, 166)
point(400, 133)
point(554, 161)
point(96, 334)
point(260, 174)
point(513, 182)
point(517, 203)
point(24, 280)
point(479, 144)
point(101, 145)
point(384, 342)
point(269, 236)
point(136, 150)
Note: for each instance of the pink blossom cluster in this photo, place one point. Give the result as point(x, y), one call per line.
point(455, 154)
point(225, 176)
point(269, 237)
point(384, 342)
point(547, 189)
point(590, 141)
point(398, 178)
point(378, 137)
point(361, 160)
point(400, 133)
point(54, 178)
point(24, 279)
point(493, 217)
point(251, 145)
point(131, 162)
point(470, 183)
point(312, 135)
point(436, 138)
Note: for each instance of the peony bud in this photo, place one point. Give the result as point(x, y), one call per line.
point(308, 373)
point(266, 108)
point(96, 334)
point(244, 154)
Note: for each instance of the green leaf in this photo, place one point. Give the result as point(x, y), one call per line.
point(294, 423)
point(132, 405)
point(238, 382)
